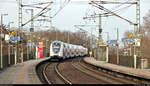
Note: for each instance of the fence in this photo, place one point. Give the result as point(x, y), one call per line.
point(5, 56)
point(127, 61)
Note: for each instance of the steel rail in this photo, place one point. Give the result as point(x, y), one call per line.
point(76, 66)
point(111, 78)
point(44, 74)
point(57, 71)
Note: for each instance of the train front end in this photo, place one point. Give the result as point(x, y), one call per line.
point(56, 50)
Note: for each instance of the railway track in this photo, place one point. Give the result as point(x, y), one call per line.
point(75, 71)
point(57, 71)
point(76, 76)
point(49, 74)
point(101, 74)
point(82, 73)
point(44, 73)
point(40, 68)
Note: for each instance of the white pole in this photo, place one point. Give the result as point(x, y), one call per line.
point(135, 61)
point(9, 53)
point(107, 59)
point(9, 49)
point(27, 53)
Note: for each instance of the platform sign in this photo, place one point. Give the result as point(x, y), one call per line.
point(94, 45)
point(40, 50)
point(137, 42)
point(100, 43)
point(32, 44)
point(14, 39)
point(30, 41)
point(128, 40)
point(7, 37)
point(12, 33)
point(131, 35)
point(41, 44)
point(112, 42)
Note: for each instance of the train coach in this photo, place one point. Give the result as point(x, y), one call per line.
point(61, 50)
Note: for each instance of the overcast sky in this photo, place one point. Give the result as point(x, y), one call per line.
point(73, 14)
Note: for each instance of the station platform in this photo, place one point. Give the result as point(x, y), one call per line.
point(21, 73)
point(142, 73)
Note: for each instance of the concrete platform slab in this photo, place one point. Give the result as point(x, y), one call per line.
point(144, 73)
point(21, 73)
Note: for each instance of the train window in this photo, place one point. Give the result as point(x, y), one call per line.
point(56, 47)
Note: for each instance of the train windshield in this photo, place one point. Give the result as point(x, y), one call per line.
point(56, 47)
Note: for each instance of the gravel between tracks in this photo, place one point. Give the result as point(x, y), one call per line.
point(52, 76)
point(76, 76)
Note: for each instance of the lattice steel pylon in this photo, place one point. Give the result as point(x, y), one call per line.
point(100, 29)
point(138, 29)
point(100, 23)
point(20, 25)
point(98, 5)
point(137, 18)
point(20, 14)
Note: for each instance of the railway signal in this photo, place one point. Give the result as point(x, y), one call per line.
point(137, 42)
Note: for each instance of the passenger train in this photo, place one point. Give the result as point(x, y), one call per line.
point(61, 50)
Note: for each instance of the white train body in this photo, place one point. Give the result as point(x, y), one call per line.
point(63, 50)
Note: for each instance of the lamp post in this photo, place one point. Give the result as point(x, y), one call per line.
point(1, 40)
point(9, 44)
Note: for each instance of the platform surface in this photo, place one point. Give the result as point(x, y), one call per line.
point(21, 73)
point(144, 73)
